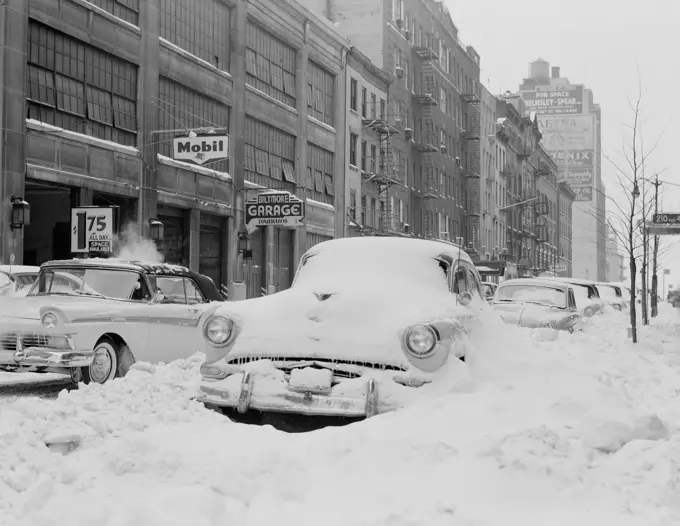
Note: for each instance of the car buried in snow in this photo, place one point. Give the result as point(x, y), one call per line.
point(16, 280)
point(588, 301)
point(93, 318)
point(537, 303)
point(367, 321)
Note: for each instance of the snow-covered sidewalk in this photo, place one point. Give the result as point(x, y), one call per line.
point(536, 430)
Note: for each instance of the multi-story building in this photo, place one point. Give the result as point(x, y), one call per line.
point(570, 122)
point(547, 211)
point(492, 184)
point(94, 92)
point(373, 166)
point(565, 203)
point(615, 262)
point(434, 99)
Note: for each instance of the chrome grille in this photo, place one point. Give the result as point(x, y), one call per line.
point(8, 341)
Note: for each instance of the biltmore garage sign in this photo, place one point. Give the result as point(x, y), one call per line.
point(274, 209)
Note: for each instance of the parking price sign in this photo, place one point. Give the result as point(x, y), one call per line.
point(92, 229)
point(275, 209)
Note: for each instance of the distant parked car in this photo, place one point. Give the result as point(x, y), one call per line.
point(93, 318)
point(587, 296)
point(535, 303)
point(612, 296)
point(16, 280)
point(674, 298)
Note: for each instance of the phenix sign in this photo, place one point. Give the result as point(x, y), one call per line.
point(200, 149)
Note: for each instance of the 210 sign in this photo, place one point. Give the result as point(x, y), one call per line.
point(91, 229)
point(666, 219)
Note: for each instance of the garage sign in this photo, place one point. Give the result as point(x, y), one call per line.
point(200, 149)
point(275, 209)
point(92, 229)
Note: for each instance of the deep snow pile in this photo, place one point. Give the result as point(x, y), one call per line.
point(537, 429)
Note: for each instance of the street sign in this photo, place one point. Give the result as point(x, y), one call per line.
point(92, 229)
point(662, 229)
point(200, 149)
point(275, 209)
point(666, 219)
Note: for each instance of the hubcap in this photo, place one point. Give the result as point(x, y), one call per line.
point(101, 366)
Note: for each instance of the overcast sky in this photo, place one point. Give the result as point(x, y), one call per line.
point(602, 44)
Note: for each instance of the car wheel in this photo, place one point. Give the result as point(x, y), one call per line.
point(110, 361)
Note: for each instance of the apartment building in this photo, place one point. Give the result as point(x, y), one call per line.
point(493, 226)
point(434, 102)
point(565, 203)
point(94, 92)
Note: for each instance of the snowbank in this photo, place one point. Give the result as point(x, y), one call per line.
point(539, 428)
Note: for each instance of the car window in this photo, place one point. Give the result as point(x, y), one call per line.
point(194, 295)
point(459, 280)
point(170, 287)
point(141, 290)
point(572, 299)
point(473, 282)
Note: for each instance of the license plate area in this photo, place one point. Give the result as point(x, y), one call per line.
point(310, 380)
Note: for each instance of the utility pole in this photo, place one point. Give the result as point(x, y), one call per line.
point(655, 281)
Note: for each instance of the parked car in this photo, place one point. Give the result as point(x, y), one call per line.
point(536, 302)
point(588, 301)
point(674, 297)
point(16, 280)
point(612, 296)
point(366, 320)
point(488, 290)
point(92, 318)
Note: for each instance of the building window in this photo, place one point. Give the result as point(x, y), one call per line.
point(80, 88)
point(353, 204)
point(382, 108)
point(127, 10)
point(269, 158)
point(364, 102)
point(270, 65)
point(320, 93)
point(374, 105)
point(201, 27)
point(364, 147)
point(353, 138)
point(181, 107)
point(363, 210)
point(374, 154)
point(353, 88)
point(321, 163)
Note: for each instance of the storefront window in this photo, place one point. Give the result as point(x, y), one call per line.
point(175, 242)
point(210, 248)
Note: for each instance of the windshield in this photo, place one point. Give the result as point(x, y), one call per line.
point(109, 283)
point(539, 294)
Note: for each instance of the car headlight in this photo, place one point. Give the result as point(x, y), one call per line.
point(548, 325)
point(421, 340)
point(49, 320)
point(218, 330)
point(589, 311)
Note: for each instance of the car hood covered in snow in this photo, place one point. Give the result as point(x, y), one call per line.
point(347, 305)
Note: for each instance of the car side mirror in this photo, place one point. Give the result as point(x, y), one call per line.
point(464, 298)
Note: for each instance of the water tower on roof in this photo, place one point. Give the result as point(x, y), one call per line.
point(539, 69)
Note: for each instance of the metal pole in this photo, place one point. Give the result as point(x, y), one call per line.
point(655, 262)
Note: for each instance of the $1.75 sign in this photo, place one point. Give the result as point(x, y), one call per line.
point(91, 229)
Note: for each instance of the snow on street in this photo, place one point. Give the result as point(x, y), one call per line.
point(540, 429)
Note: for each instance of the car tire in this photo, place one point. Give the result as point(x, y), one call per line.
point(110, 361)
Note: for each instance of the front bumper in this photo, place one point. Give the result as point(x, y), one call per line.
point(284, 400)
point(27, 346)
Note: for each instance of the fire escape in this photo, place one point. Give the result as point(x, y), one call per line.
point(471, 168)
point(386, 173)
point(542, 209)
point(427, 139)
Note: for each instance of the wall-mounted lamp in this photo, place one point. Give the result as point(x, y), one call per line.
point(244, 245)
point(156, 229)
point(21, 213)
point(636, 190)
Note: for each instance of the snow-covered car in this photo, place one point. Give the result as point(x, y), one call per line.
point(364, 318)
point(612, 296)
point(488, 290)
point(536, 303)
point(93, 318)
point(16, 280)
point(588, 301)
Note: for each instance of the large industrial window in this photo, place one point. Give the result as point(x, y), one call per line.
point(321, 184)
point(320, 93)
point(80, 88)
point(201, 27)
point(127, 10)
point(181, 108)
point(270, 65)
point(269, 156)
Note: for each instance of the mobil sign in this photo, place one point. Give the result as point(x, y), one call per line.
point(200, 149)
point(274, 209)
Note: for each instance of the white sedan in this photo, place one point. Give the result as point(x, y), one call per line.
point(367, 320)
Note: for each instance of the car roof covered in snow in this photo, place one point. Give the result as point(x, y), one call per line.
point(19, 269)
point(575, 281)
point(391, 248)
point(540, 282)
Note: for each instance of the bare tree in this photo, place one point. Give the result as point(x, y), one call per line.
point(630, 216)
